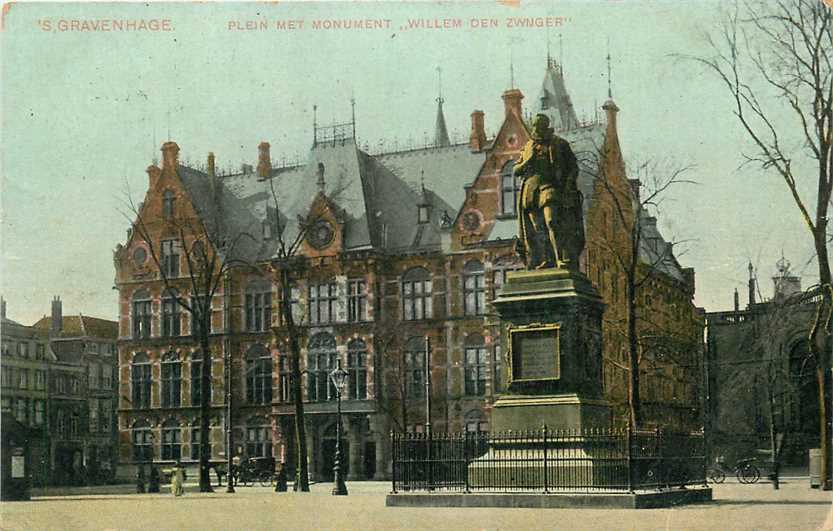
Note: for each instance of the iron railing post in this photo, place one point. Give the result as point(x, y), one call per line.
point(466, 459)
point(629, 442)
point(393, 460)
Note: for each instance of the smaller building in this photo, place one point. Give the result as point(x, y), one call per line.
point(24, 369)
point(82, 395)
point(761, 380)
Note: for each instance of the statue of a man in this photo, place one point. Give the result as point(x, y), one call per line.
point(550, 224)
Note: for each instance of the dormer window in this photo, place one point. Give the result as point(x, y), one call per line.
point(423, 214)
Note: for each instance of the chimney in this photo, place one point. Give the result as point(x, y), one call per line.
point(170, 153)
point(211, 168)
point(751, 285)
point(57, 323)
point(737, 300)
point(2, 307)
point(264, 161)
point(477, 140)
point(153, 175)
point(512, 102)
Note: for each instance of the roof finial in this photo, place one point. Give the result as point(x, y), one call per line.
point(549, 56)
point(314, 124)
point(353, 112)
point(609, 84)
point(440, 85)
point(169, 122)
point(560, 54)
point(422, 180)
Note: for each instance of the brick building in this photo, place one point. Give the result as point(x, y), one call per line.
point(82, 396)
point(408, 248)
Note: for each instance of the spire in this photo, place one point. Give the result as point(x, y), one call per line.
point(751, 284)
point(440, 130)
point(554, 99)
point(609, 83)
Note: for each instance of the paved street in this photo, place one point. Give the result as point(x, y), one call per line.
point(737, 507)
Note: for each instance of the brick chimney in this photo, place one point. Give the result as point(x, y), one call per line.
point(477, 140)
point(170, 154)
point(57, 323)
point(264, 161)
point(153, 175)
point(2, 307)
point(512, 102)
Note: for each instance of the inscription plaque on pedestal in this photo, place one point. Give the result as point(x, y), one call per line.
point(534, 353)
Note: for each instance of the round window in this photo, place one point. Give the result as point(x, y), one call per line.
point(321, 234)
point(140, 255)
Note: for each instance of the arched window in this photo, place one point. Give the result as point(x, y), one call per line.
point(508, 189)
point(474, 288)
point(258, 375)
point(171, 379)
point(142, 441)
point(170, 314)
point(168, 204)
point(140, 381)
point(258, 438)
point(196, 379)
point(321, 359)
point(141, 314)
point(258, 307)
point(416, 294)
point(171, 440)
point(357, 367)
point(475, 365)
point(415, 367)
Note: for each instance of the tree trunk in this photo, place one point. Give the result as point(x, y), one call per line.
point(301, 463)
point(205, 405)
point(773, 443)
point(821, 345)
point(633, 355)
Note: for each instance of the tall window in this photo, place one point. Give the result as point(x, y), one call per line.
point(170, 315)
point(258, 307)
point(200, 307)
point(321, 359)
point(92, 415)
point(475, 365)
point(474, 288)
point(170, 258)
point(356, 300)
point(195, 441)
point(171, 380)
point(141, 314)
point(40, 380)
point(416, 294)
point(322, 303)
point(258, 438)
point(415, 367)
point(142, 442)
point(140, 381)
point(357, 368)
point(258, 375)
point(40, 412)
point(21, 410)
point(171, 440)
point(23, 378)
point(283, 375)
point(168, 204)
point(92, 375)
point(196, 379)
point(508, 189)
point(497, 369)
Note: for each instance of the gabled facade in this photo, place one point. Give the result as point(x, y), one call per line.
point(406, 250)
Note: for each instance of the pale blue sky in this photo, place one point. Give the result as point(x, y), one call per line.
point(84, 113)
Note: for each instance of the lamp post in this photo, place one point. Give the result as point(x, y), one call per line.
point(339, 378)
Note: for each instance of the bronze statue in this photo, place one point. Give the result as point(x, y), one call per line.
point(550, 224)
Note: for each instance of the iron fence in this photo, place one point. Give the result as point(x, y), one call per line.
point(547, 460)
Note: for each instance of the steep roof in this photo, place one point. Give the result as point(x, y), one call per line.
point(440, 129)
point(81, 326)
point(554, 100)
point(655, 251)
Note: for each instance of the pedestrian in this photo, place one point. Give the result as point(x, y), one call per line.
point(140, 479)
point(177, 480)
point(155, 480)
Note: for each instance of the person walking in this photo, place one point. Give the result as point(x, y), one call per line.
point(177, 480)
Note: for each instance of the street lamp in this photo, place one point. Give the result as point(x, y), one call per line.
point(339, 378)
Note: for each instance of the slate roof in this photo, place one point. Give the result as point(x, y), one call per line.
point(81, 326)
point(554, 100)
point(654, 250)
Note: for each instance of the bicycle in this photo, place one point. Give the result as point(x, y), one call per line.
point(745, 470)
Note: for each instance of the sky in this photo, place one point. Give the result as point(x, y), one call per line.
point(84, 114)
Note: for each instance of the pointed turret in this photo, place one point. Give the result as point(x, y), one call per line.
point(554, 100)
point(440, 129)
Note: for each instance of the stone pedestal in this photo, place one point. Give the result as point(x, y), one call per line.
point(551, 336)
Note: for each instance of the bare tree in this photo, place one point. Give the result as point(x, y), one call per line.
point(774, 59)
point(636, 259)
point(210, 252)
